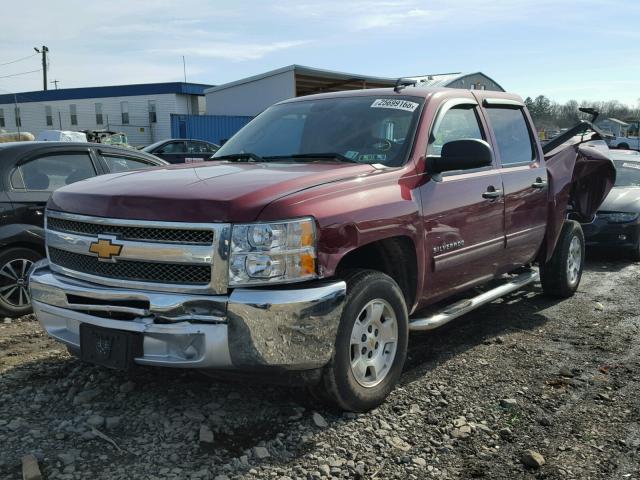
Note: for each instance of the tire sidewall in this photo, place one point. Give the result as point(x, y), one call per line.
point(355, 396)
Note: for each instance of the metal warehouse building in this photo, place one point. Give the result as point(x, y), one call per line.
point(141, 111)
point(250, 96)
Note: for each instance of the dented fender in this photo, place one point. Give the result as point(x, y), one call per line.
point(580, 177)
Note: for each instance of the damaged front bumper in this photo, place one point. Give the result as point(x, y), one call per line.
point(290, 328)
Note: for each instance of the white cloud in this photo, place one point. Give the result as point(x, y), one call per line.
point(234, 51)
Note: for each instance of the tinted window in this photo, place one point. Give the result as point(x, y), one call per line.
point(459, 123)
point(55, 171)
point(173, 147)
point(123, 164)
point(200, 147)
point(512, 135)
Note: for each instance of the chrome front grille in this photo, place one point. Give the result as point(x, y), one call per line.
point(147, 234)
point(133, 271)
point(162, 256)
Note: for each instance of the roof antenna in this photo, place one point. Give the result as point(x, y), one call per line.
point(402, 83)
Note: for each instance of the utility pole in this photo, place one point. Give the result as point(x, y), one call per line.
point(44, 52)
point(55, 82)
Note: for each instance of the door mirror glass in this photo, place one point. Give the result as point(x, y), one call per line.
point(463, 154)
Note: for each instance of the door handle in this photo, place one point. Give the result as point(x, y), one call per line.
point(539, 183)
point(492, 193)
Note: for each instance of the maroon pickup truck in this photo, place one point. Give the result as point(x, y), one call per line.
point(328, 228)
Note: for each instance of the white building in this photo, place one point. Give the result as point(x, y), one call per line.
point(141, 111)
point(250, 96)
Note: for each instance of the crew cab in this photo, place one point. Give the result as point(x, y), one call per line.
point(326, 230)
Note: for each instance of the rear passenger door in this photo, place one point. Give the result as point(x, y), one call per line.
point(524, 177)
point(463, 211)
point(36, 176)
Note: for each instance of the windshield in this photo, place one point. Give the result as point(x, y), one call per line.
point(627, 173)
point(361, 129)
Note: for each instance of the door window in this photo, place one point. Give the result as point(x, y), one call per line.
point(174, 147)
point(53, 171)
point(123, 164)
point(458, 123)
point(512, 135)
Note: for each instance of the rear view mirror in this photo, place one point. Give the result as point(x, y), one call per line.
point(461, 155)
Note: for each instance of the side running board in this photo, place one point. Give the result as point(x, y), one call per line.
point(461, 307)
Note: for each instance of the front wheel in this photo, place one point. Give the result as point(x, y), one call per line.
point(560, 276)
point(371, 345)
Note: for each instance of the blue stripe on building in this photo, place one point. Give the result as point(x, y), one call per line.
point(108, 91)
point(212, 128)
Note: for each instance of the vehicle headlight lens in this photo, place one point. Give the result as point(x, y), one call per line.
point(276, 252)
point(619, 217)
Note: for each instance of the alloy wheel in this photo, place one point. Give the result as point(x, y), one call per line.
point(574, 261)
point(374, 341)
point(14, 282)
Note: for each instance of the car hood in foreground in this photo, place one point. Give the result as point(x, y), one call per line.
point(622, 199)
point(221, 192)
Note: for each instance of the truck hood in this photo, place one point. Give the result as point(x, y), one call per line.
point(622, 199)
point(219, 192)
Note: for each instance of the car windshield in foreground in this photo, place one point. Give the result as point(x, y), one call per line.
point(354, 129)
point(627, 173)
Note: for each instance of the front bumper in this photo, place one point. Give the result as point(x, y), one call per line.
point(601, 233)
point(290, 328)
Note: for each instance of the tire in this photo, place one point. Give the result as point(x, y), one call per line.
point(373, 300)
point(623, 146)
point(561, 275)
point(14, 293)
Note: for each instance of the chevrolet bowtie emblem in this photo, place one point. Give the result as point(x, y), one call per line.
point(105, 249)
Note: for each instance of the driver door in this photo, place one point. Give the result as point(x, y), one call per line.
point(462, 211)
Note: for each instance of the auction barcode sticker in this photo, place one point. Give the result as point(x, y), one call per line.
point(395, 104)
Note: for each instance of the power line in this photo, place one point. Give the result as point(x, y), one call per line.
point(18, 60)
point(21, 73)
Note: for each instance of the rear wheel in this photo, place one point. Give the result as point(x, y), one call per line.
point(15, 264)
point(560, 276)
point(623, 146)
point(371, 345)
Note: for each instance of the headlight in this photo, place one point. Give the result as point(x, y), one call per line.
point(619, 217)
point(278, 252)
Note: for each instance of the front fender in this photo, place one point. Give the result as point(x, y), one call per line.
point(18, 233)
point(355, 213)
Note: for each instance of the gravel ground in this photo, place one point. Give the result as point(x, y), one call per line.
point(518, 381)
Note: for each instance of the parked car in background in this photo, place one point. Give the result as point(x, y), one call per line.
point(177, 150)
point(617, 222)
point(29, 172)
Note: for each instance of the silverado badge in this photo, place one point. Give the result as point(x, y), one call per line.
point(105, 248)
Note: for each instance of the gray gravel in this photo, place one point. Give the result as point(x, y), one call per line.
point(526, 387)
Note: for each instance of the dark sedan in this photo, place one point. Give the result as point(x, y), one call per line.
point(29, 172)
point(179, 150)
point(617, 223)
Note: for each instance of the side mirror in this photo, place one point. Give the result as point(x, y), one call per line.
point(461, 155)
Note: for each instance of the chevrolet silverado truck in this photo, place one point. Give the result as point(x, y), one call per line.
point(328, 229)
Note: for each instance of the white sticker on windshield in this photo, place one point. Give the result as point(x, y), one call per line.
point(395, 104)
point(631, 165)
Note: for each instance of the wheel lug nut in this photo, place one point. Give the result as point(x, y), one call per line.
point(376, 332)
point(370, 328)
point(364, 337)
point(377, 345)
point(370, 354)
point(364, 350)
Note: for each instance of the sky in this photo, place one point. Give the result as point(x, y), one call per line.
point(580, 49)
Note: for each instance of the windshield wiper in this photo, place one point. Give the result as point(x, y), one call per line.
point(314, 156)
point(247, 156)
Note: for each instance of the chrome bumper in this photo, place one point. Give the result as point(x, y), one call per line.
point(293, 328)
